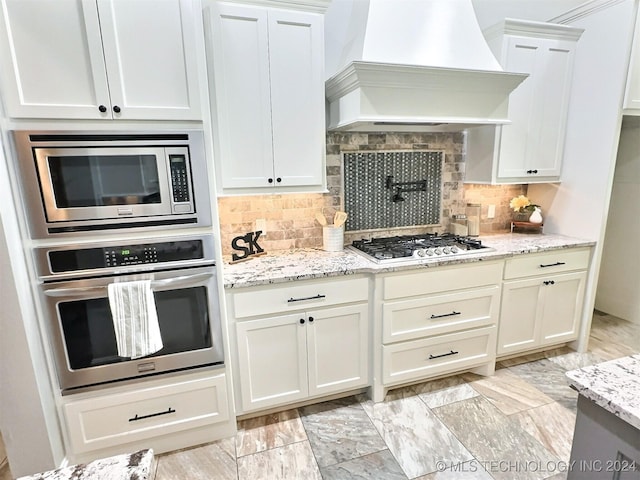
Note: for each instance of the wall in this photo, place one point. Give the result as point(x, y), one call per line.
point(289, 219)
point(617, 292)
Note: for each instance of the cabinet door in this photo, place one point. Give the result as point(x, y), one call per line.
point(272, 360)
point(240, 55)
point(51, 63)
point(296, 52)
point(562, 307)
point(337, 342)
point(632, 92)
point(532, 145)
point(151, 57)
point(520, 315)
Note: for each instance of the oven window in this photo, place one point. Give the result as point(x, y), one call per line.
point(88, 333)
point(91, 181)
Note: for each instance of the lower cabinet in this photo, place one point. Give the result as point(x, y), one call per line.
point(121, 419)
point(540, 305)
point(437, 322)
point(309, 353)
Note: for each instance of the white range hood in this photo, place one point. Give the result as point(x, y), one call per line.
point(411, 65)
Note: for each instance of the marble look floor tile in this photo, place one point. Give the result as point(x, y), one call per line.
point(491, 437)
point(215, 460)
point(550, 379)
point(379, 465)
point(269, 431)
point(508, 392)
point(444, 391)
point(291, 461)
point(609, 351)
point(558, 476)
point(414, 435)
point(330, 441)
point(459, 471)
point(616, 330)
point(552, 425)
point(575, 360)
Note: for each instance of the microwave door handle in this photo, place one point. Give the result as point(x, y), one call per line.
point(183, 281)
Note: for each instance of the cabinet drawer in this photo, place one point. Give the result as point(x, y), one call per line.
point(420, 359)
point(117, 418)
point(438, 314)
point(299, 295)
point(547, 263)
point(442, 279)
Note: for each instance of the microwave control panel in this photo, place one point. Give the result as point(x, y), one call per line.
point(119, 256)
point(179, 178)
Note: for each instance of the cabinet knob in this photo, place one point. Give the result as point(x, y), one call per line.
point(116, 108)
point(102, 108)
point(278, 179)
point(302, 321)
point(270, 180)
point(311, 319)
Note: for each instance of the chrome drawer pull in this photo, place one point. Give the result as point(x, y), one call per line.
point(431, 357)
point(317, 297)
point(446, 315)
point(141, 417)
point(552, 264)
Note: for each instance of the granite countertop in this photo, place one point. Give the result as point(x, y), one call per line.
point(613, 385)
point(303, 264)
point(132, 466)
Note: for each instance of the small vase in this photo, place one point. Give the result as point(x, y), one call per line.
point(536, 216)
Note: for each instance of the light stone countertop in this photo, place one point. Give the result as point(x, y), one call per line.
point(613, 385)
point(304, 264)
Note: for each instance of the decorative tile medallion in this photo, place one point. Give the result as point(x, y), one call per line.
point(393, 189)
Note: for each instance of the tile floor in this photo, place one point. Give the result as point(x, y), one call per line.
point(515, 424)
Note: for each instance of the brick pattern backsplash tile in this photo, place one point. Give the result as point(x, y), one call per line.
point(290, 218)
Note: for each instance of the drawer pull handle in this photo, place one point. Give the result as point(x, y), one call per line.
point(317, 297)
point(446, 315)
point(549, 282)
point(552, 264)
point(431, 357)
point(142, 417)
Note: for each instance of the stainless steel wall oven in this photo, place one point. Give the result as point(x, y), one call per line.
point(79, 321)
point(76, 182)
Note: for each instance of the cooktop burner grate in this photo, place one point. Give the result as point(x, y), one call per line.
point(412, 247)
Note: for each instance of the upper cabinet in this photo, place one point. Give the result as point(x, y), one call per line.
point(267, 89)
point(632, 93)
point(100, 59)
point(530, 148)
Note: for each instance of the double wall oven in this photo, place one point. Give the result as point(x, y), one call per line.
point(126, 205)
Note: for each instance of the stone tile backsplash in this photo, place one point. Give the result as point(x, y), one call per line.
point(290, 218)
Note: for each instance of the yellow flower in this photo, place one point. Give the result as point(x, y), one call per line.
point(518, 203)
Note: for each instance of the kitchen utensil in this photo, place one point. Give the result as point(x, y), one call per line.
point(321, 219)
point(339, 219)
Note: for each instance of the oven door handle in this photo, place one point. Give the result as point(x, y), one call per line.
point(165, 284)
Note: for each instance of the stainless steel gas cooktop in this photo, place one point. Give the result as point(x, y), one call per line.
point(418, 247)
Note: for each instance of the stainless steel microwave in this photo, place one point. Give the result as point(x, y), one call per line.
point(75, 182)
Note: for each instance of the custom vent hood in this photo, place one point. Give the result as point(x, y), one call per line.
point(411, 65)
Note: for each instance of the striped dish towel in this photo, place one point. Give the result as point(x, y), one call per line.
point(135, 320)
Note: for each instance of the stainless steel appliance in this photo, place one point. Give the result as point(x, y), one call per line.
point(417, 247)
point(74, 290)
point(86, 181)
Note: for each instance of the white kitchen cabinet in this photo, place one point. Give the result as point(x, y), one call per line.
point(542, 300)
point(530, 148)
point(631, 104)
point(317, 345)
point(154, 415)
point(266, 66)
point(436, 322)
point(100, 59)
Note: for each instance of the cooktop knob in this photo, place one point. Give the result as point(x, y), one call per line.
point(438, 251)
point(446, 250)
point(430, 252)
point(454, 249)
point(419, 253)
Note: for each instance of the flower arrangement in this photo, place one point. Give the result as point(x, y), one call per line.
point(522, 204)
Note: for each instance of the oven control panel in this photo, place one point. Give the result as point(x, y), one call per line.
point(70, 260)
